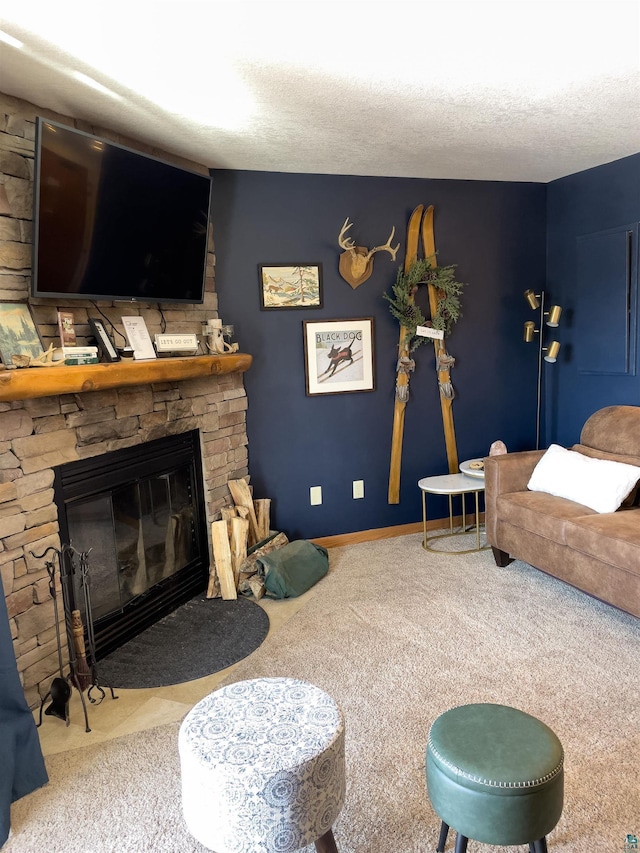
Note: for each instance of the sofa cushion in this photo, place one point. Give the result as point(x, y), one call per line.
point(612, 537)
point(633, 498)
point(539, 513)
point(599, 484)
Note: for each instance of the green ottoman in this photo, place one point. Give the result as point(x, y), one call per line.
point(494, 774)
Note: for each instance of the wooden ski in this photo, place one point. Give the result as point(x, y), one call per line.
point(402, 374)
point(442, 365)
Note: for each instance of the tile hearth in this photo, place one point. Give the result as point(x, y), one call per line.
point(138, 710)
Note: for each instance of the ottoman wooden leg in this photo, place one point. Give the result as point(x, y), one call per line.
point(326, 843)
point(540, 846)
point(461, 843)
point(442, 841)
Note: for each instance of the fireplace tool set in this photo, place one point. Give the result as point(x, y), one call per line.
point(83, 672)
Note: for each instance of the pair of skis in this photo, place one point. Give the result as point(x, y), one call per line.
point(420, 224)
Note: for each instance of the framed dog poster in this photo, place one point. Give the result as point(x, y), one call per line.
point(339, 356)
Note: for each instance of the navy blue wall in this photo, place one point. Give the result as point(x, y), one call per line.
point(494, 232)
point(585, 203)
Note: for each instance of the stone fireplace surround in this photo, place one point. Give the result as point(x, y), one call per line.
point(38, 434)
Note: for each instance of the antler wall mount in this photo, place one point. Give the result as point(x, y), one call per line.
point(356, 262)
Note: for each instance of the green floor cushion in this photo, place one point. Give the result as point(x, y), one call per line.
point(293, 569)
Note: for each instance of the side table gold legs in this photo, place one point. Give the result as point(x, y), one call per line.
point(451, 485)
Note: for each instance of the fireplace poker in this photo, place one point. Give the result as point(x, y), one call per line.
point(66, 577)
point(91, 639)
point(60, 689)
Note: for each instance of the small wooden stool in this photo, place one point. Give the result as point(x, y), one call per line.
point(494, 774)
point(263, 767)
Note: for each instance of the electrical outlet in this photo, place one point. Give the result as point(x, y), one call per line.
point(315, 495)
point(358, 489)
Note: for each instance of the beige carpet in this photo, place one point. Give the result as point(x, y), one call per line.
point(396, 635)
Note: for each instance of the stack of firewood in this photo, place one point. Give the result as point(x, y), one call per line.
point(241, 528)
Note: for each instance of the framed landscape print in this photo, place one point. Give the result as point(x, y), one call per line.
point(290, 286)
point(18, 332)
point(339, 356)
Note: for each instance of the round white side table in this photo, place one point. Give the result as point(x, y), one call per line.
point(465, 468)
point(450, 485)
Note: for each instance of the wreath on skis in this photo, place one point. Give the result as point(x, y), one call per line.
point(402, 300)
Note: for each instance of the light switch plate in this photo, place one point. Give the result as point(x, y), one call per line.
point(315, 495)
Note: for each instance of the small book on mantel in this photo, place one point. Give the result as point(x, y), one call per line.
point(80, 355)
point(81, 359)
point(67, 329)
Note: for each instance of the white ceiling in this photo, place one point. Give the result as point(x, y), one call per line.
point(510, 91)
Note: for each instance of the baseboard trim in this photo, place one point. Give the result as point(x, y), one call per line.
point(387, 532)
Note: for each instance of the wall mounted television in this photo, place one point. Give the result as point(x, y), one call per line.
point(113, 224)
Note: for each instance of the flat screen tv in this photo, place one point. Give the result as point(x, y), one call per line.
point(113, 224)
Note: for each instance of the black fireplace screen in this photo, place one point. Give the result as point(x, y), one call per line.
point(139, 513)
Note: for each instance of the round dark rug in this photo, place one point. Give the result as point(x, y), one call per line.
point(201, 637)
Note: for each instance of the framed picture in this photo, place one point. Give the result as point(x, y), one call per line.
point(339, 356)
point(290, 286)
point(18, 332)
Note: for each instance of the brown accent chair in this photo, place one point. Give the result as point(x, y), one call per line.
point(598, 553)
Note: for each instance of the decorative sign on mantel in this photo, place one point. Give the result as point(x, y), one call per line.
point(138, 337)
point(186, 344)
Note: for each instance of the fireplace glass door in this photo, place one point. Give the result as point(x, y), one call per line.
point(139, 515)
point(139, 535)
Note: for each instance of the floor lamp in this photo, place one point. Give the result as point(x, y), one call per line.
point(550, 352)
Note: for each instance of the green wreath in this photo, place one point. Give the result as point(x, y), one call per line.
point(409, 315)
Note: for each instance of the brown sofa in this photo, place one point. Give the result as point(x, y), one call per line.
point(595, 552)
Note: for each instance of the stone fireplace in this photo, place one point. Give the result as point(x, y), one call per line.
point(40, 432)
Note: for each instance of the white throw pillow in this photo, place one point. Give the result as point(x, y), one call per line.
point(597, 483)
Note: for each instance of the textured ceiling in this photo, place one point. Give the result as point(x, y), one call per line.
point(510, 91)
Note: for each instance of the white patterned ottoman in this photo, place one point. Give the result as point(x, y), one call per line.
point(263, 768)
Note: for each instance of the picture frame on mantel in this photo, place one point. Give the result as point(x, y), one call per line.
point(287, 286)
point(19, 334)
point(339, 356)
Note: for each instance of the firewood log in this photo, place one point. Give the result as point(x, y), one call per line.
point(249, 565)
point(228, 512)
point(262, 508)
point(242, 497)
point(252, 585)
point(239, 536)
point(213, 589)
point(222, 557)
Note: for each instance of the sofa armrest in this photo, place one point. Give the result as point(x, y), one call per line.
point(509, 472)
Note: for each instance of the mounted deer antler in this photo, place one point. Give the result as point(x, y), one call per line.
point(356, 262)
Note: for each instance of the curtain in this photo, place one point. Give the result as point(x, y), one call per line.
point(22, 768)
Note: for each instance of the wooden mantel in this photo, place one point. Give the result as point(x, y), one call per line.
point(29, 382)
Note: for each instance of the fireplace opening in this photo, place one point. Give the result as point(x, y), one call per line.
point(139, 512)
